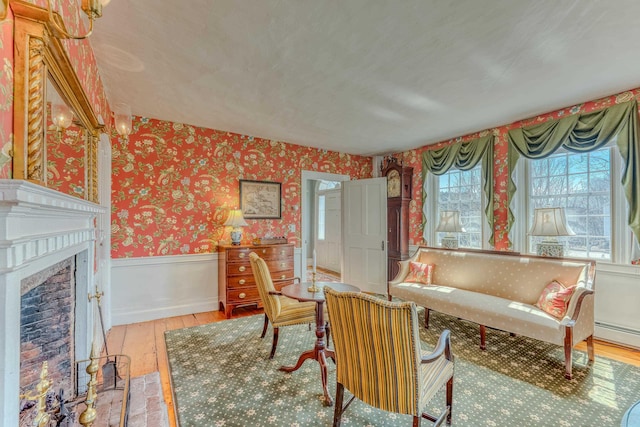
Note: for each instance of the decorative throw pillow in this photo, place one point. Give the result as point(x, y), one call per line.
point(555, 298)
point(420, 273)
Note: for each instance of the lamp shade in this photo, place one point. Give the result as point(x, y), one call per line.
point(550, 222)
point(61, 115)
point(450, 222)
point(122, 119)
point(235, 219)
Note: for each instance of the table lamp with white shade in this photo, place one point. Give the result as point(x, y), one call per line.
point(550, 223)
point(236, 220)
point(450, 224)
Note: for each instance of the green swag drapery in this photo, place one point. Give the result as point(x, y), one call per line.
point(582, 133)
point(463, 156)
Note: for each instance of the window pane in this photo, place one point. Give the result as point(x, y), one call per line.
point(540, 168)
point(321, 217)
point(462, 191)
point(581, 183)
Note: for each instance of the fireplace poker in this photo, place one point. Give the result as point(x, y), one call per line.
point(109, 369)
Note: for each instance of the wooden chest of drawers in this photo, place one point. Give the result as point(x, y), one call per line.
point(236, 285)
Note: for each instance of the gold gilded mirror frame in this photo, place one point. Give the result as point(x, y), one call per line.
point(37, 54)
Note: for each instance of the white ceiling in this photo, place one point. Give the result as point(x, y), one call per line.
point(363, 76)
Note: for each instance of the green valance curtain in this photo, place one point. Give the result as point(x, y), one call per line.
point(463, 156)
point(581, 133)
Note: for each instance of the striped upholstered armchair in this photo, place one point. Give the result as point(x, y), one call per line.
point(379, 360)
point(278, 309)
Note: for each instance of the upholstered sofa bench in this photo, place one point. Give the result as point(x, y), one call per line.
point(502, 290)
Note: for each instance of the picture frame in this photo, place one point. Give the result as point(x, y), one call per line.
point(260, 199)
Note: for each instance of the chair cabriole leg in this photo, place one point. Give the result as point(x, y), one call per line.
point(426, 318)
point(264, 328)
point(275, 343)
point(416, 421)
point(483, 337)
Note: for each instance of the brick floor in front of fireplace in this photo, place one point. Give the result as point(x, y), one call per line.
point(146, 408)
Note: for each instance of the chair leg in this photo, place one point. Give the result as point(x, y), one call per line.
point(483, 337)
point(264, 328)
point(275, 343)
point(568, 354)
point(426, 318)
point(337, 413)
point(416, 421)
point(590, 350)
point(449, 399)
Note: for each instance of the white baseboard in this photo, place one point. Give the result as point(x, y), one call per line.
point(125, 317)
point(617, 335)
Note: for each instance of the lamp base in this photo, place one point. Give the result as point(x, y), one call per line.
point(236, 237)
point(552, 249)
point(449, 242)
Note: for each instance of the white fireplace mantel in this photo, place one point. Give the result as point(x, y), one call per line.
point(39, 227)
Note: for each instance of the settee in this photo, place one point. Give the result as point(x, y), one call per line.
point(504, 290)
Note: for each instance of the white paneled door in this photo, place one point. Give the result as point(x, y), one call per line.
point(329, 232)
point(364, 213)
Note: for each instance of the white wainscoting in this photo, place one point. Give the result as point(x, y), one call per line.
point(152, 288)
point(616, 303)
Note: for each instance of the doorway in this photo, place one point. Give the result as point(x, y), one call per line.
point(329, 245)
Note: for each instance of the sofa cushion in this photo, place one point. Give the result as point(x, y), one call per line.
point(420, 273)
point(555, 298)
point(488, 310)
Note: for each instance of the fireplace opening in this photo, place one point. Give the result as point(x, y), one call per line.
point(47, 330)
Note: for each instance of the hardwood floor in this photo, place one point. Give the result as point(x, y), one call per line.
point(144, 342)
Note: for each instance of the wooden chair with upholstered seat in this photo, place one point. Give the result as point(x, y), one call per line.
point(379, 360)
point(278, 309)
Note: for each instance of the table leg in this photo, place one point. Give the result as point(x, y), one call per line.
point(309, 354)
point(328, 401)
point(319, 353)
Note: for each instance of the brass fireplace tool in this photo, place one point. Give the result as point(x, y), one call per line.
point(40, 395)
point(88, 416)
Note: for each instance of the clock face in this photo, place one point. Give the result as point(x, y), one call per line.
point(393, 184)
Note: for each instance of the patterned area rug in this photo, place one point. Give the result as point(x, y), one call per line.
point(222, 376)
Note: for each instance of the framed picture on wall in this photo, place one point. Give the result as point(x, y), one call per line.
point(260, 199)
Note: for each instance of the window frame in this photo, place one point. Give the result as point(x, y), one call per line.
point(433, 193)
point(620, 233)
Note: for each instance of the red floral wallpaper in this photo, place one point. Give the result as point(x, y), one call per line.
point(173, 185)
point(414, 158)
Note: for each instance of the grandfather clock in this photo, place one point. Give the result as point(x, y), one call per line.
point(399, 186)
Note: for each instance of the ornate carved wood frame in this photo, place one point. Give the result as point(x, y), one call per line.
point(38, 52)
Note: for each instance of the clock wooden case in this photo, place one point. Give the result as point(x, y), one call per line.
point(399, 192)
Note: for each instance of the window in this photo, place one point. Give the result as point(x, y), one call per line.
point(582, 184)
point(461, 191)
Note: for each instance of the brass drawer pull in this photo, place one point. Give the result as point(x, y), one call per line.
point(241, 281)
point(282, 252)
point(264, 251)
point(284, 264)
point(284, 276)
point(241, 255)
point(242, 268)
point(242, 295)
